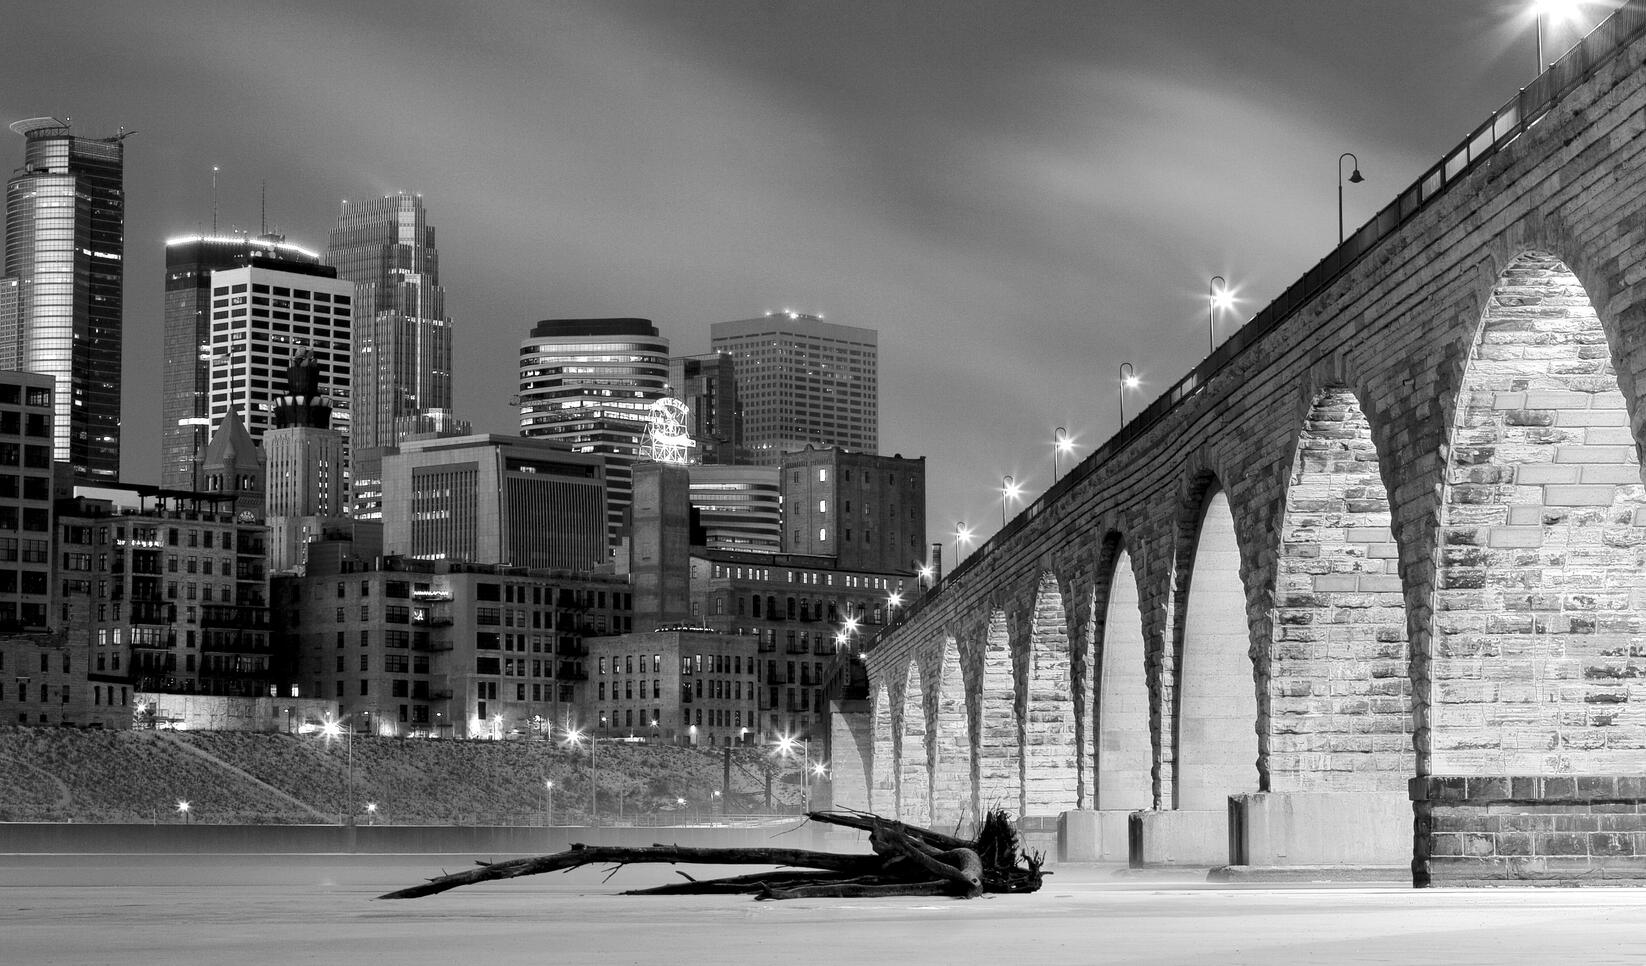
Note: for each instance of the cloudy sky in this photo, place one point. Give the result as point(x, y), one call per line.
point(1018, 194)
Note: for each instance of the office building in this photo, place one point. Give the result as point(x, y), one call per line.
point(263, 317)
point(443, 648)
point(677, 686)
point(402, 337)
point(588, 384)
point(494, 500)
point(25, 501)
point(166, 590)
point(65, 248)
point(707, 384)
point(802, 381)
point(866, 511)
point(185, 380)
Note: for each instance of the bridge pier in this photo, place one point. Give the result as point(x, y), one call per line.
point(1554, 830)
point(1195, 838)
point(1093, 835)
point(1320, 828)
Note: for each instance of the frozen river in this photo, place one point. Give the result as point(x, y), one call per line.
point(253, 909)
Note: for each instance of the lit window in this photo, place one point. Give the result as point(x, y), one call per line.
point(823, 535)
point(822, 506)
point(822, 474)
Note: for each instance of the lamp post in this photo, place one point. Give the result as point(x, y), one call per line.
point(183, 810)
point(961, 533)
point(1128, 380)
point(1009, 491)
point(331, 729)
point(1557, 10)
point(548, 804)
point(575, 738)
point(1061, 443)
point(1220, 299)
point(1354, 178)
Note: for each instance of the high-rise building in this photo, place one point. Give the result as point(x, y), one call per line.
point(707, 385)
point(802, 381)
point(65, 245)
point(402, 336)
point(494, 500)
point(264, 317)
point(185, 382)
point(588, 384)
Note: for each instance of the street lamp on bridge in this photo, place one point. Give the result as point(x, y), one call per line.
point(1061, 443)
point(1355, 177)
point(1128, 380)
point(1221, 298)
point(962, 534)
point(1009, 491)
point(1556, 11)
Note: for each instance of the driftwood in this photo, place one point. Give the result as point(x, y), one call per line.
point(907, 860)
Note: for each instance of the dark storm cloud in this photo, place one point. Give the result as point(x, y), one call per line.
point(1019, 195)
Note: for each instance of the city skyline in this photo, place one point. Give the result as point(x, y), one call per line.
point(1054, 186)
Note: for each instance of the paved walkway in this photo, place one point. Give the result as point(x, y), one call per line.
point(130, 910)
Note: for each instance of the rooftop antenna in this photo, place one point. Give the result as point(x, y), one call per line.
point(265, 225)
point(214, 200)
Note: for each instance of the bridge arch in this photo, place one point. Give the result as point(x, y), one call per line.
point(1336, 701)
point(883, 787)
point(1124, 748)
point(999, 750)
point(1538, 620)
point(914, 801)
point(1049, 750)
point(1215, 714)
point(951, 741)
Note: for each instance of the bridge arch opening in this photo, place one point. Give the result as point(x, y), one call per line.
point(1124, 776)
point(951, 743)
point(1216, 707)
point(1050, 784)
point(999, 755)
point(914, 799)
point(1338, 680)
point(1537, 632)
point(883, 788)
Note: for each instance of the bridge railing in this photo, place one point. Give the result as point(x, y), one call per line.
point(1502, 126)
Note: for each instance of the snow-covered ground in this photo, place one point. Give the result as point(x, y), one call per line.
point(132, 910)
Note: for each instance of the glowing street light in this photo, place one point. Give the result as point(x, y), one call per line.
point(1009, 491)
point(183, 810)
point(1220, 298)
point(1128, 380)
point(548, 804)
point(575, 739)
point(927, 573)
point(371, 813)
point(331, 728)
point(1556, 11)
point(962, 534)
point(1355, 177)
point(1061, 443)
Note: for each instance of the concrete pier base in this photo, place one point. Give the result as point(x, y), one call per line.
point(1178, 838)
point(1320, 829)
point(1092, 835)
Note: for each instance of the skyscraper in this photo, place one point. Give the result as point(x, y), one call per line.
point(801, 380)
point(185, 382)
point(65, 245)
point(264, 317)
point(402, 337)
point(588, 384)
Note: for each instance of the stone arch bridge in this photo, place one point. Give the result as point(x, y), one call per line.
point(1369, 585)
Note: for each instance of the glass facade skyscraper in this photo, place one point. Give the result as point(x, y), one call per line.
point(588, 384)
point(185, 382)
point(402, 337)
point(65, 248)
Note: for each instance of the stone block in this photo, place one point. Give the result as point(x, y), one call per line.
point(1093, 835)
point(1515, 537)
point(1578, 495)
